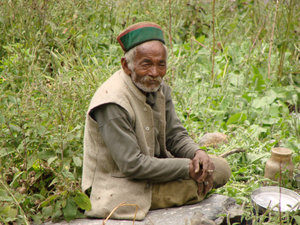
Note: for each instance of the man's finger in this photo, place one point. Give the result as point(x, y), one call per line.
point(208, 169)
point(204, 171)
point(196, 165)
point(203, 177)
point(208, 184)
point(200, 188)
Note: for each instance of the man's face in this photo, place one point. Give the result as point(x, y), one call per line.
point(150, 66)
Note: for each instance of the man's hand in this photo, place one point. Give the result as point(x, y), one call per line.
point(201, 170)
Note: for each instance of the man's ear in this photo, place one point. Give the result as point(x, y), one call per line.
point(125, 66)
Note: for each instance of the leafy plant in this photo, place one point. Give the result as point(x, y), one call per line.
point(53, 56)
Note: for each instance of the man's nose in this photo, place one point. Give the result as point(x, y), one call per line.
point(154, 71)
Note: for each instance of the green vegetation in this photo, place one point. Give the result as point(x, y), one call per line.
point(54, 55)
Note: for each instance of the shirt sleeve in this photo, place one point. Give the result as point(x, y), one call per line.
point(116, 128)
point(178, 141)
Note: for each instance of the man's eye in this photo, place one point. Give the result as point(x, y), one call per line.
point(162, 63)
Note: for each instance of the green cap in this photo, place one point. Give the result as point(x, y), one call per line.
point(139, 33)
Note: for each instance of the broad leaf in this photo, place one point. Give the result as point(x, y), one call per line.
point(2, 118)
point(77, 161)
point(47, 211)
point(82, 201)
point(70, 210)
point(237, 118)
point(4, 197)
point(258, 79)
point(8, 213)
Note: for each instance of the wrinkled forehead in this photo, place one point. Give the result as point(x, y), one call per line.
point(151, 49)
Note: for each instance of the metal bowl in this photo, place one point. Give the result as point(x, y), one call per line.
point(273, 197)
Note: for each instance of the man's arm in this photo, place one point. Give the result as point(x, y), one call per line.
point(180, 144)
point(116, 129)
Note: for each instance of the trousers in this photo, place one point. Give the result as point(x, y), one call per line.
point(184, 192)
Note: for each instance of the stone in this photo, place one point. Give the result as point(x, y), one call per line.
point(200, 219)
point(211, 211)
point(213, 139)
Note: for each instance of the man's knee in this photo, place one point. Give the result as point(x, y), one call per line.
point(175, 193)
point(222, 171)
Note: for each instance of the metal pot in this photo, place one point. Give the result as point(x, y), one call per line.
point(275, 198)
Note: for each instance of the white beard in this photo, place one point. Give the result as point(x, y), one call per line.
point(145, 78)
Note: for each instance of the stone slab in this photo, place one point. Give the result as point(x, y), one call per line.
point(212, 209)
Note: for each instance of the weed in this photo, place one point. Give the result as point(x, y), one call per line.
point(54, 55)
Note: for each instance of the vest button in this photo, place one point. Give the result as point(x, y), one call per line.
point(147, 128)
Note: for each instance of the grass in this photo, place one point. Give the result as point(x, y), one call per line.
point(54, 55)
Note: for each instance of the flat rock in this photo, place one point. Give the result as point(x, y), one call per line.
point(212, 210)
point(213, 139)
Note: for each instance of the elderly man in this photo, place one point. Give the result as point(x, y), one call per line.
point(136, 150)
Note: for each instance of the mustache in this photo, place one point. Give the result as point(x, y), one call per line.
point(150, 78)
